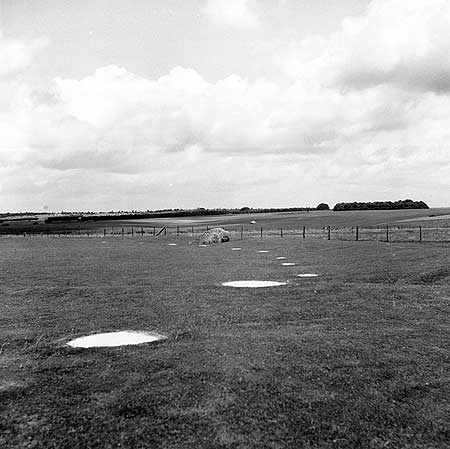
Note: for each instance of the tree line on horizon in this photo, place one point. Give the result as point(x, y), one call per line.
point(200, 211)
point(381, 205)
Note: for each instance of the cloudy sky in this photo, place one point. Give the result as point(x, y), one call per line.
point(106, 104)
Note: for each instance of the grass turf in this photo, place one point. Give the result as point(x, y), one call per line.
point(357, 357)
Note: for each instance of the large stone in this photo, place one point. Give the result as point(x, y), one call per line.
point(215, 235)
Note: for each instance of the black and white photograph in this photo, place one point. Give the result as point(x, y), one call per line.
point(225, 224)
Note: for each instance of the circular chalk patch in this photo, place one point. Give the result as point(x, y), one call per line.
point(307, 275)
point(253, 284)
point(111, 339)
point(288, 264)
point(172, 244)
point(281, 258)
point(263, 251)
point(235, 249)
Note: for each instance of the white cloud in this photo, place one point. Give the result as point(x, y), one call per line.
point(232, 13)
point(358, 119)
point(400, 43)
point(15, 55)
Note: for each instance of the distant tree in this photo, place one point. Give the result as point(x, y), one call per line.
point(323, 206)
point(381, 205)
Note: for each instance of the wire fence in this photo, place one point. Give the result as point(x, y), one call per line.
point(355, 233)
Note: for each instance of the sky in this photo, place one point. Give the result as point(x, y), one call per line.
point(149, 104)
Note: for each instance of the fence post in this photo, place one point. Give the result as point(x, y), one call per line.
point(329, 233)
point(261, 231)
point(420, 233)
point(178, 230)
point(154, 230)
point(304, 231)
point(242, 232)
point(192, 230)
point(387, 233)
point(104, 232)
point(123, 232)
point(281, 232)
point(357, 233)
point(165, 231)
point(132, 232)
point(142, 231)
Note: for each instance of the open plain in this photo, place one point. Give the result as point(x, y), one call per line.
point(358, 356)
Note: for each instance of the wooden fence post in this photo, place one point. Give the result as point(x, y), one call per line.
point(104, 232)
point(178, 230)
point(329, 233)
point(242, 232)
point(154, 230)
point(281, 232)
point(261, 231)
point(357, 233)
point(192, 229)
point(304, 231)
point(387, 233)
point(165, 231)
point(132, 232)
point(420, 233)
point(142, 231)
point(123, 231)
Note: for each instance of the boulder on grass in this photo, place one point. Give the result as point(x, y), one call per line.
point(215, 235)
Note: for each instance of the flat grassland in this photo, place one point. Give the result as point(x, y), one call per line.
point(291, 222)
point(357, 357)
point(295, 220)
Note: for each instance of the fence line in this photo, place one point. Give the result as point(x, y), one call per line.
point(357, 233)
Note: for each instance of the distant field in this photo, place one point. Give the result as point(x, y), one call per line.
point(297, 219)
point(269, 221)
point(355, 358)
point(397, 225)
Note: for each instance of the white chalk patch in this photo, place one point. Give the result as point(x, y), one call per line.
point(307, 275)
point(263, 251)
point(202, 245)
point(110, 339)
point(281, 258)
point(253, 284)
point(172, 244)
point(288, 264)
point(235, 249)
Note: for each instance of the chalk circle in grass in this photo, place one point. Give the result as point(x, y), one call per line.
point(202, 245)
point(253, 284)
point(111, 339)
point(288, 264)
point(307, 275)
point(281, 258)
point(263, 251)
point(235, 249)
point(172, 244)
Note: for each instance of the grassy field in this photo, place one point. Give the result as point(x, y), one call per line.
point(358, 357)
point(295, 220)
point(291, 222)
